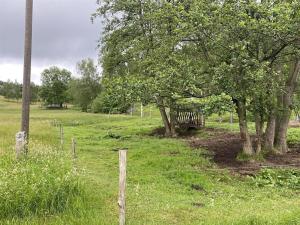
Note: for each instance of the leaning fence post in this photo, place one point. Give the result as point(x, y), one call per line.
point(20, 144)
point(122, 184)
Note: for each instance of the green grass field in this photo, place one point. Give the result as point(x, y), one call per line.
point(161, 173)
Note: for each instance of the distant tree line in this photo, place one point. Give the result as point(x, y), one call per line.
point(59, 87)
point(12, 90)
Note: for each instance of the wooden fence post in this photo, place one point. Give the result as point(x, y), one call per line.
point(74, 148)
point(142, 110)
point(122, 185)
point(61, 135)
point(231, 117)
point(20, 144)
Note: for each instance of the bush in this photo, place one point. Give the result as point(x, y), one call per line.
point(106, 104)
point(44, 183)
point(98, 105)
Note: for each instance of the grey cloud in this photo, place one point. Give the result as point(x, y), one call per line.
point(62, 30)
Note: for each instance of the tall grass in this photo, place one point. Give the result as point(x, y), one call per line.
point(40, 184)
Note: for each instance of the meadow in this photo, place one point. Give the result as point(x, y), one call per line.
point(168, 182)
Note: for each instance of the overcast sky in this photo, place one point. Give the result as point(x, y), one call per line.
point(62, 35)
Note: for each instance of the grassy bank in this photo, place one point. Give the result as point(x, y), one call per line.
point(168, 182)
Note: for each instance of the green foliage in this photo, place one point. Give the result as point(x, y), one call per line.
point(105, 103)
point(54, 87)
point(219, 104)
point(144, 46)
point(86, 88)
point(118, 95)
point(34, 92)
point(202, 48)
point(288, 178)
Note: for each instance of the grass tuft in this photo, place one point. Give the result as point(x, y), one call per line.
point(44, 183)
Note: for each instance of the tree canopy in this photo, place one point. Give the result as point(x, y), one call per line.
point(85, 89)
point(248, 50)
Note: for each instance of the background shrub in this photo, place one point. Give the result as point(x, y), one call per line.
point(106, 104)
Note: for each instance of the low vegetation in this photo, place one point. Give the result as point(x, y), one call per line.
point(289, 178)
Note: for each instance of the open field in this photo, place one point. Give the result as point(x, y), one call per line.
point(168, 181)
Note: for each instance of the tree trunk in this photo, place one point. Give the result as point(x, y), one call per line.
point(164, 117)
point(285, 101)
point(27, 69)
point(280, 142)
point(245, 136)
point(173, 122)
point(202, 120)
point(270, 132)
point(259, 132)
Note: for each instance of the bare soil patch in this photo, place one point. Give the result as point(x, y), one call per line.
point(225, 147)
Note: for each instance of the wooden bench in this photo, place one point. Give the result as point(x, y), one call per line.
point(190, 119)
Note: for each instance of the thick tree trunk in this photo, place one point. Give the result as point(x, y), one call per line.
point(280, 142)
point(285, 100)
point(259, 132)
point(173, 122)
point(202, 120)
point(245, 136)
point(164, 117)
point(165, 120)
point(270, 132)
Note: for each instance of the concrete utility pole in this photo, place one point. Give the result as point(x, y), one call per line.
point(27, 68)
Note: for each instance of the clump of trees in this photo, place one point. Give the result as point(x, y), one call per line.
point(60, 87)
point(248, 50)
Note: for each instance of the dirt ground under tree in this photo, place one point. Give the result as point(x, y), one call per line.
point(225, 146)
